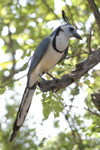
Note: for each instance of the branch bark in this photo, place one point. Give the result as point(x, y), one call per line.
point(95, 11)
point(81, 69)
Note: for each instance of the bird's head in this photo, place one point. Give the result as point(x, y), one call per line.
point(67, 29)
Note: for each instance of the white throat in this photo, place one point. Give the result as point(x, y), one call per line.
point(61, 42)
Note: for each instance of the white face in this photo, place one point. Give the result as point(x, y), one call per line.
point(70, 31)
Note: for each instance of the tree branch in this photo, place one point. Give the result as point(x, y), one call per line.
point(78, 54)
point(81, 69)
point(13, 81)
point(90, 51)
point(45, 2)
point(95, 11)
point(13, 72)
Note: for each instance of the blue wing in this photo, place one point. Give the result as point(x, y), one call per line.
point(38, 54)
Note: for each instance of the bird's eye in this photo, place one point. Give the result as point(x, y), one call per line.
point(71, 29)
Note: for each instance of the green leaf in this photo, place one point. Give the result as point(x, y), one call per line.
point(80, 45)
point(96, 135)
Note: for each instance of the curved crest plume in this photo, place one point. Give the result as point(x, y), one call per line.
point(65, 17)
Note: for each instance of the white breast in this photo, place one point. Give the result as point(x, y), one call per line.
point(51, 57)
point(48, 61)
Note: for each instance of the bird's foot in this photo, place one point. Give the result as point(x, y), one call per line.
point(41, 77)
point(55, 79)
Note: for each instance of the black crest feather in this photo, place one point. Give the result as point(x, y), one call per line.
point(65, 17)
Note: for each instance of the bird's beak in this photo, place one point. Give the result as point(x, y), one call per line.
point(77, 36)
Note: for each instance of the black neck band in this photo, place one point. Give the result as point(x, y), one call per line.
point(58, 50)
point(54, 46)
point(54, 41)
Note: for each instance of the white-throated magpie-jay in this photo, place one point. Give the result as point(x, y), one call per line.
point(49, 52)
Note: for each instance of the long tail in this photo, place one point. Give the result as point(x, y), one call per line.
point(23, 110)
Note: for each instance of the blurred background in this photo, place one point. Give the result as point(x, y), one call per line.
point(55, 121)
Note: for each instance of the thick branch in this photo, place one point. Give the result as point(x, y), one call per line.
point(95, 11)
point(81, 69)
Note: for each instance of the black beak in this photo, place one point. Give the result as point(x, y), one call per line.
point(77, 36)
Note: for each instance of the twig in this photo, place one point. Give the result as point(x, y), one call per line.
point(13, 72)
point(76, 55)
point(92, 112)
point(89, 42)
point(83, 108)
point(85, 52)
point(13, 81)
point(88, 109)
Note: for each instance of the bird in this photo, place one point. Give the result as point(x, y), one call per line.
point(50, 51)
